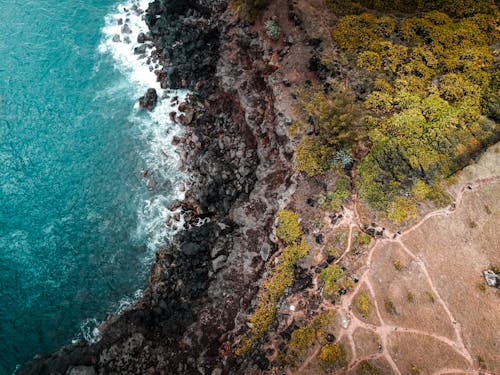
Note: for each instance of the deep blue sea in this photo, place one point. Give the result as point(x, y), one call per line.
point(78, 221)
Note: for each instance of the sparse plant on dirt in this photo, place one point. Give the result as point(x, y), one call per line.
point(410, 297)
point(430, 295)
point(390, 307)
point(366, 368)
point(363, 304)
point(415, 370)
point(397, 264)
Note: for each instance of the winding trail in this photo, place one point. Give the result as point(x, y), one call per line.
point(384, 330)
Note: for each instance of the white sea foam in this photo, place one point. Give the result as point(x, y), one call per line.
point(155, 127)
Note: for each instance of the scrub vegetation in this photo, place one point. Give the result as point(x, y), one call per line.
point(280, 277)
point(419, 93)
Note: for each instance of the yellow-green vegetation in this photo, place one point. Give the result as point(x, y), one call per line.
point(366, 368)
point(288, 229)
point(339, 122)
point(332, 356)
point(430, 82)
point(397, 264)
point(363, 304)
point(402, 209)
point(307, 336)
point(361, 241)
point(340, 193)
point(280, 277)
point(456, 8)
point(421, 191)
point(273, 288)
point(423, 97)
point(410, 296)
point(415, 370)
point(333, 279)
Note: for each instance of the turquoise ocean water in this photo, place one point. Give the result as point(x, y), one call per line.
point(78, 223)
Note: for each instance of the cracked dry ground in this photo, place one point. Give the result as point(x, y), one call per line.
point(431, 312)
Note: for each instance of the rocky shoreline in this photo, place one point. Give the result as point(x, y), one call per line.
point(236, 150)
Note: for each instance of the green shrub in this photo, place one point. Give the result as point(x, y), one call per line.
point(332, 356)
point(402, 209)
point(311, 157)
point(363, 304)
point(307, 336)
point(366, 368)
point(333, 279)
point(281, 277)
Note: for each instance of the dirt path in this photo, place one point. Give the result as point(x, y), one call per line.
point(384, 330)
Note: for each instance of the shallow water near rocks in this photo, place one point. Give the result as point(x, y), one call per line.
point(78, 223)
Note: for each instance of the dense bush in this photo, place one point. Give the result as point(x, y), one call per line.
point(456, 8)
point(332, 356)
point(430, 84)
point(333, 280)
point(363, 304)
point(305, 337)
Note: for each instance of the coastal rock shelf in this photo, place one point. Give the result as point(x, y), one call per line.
point(193, 312)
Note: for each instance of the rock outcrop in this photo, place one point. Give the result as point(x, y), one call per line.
point(202, 284)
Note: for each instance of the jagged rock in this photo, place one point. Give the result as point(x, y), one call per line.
point(219, 262)
point(186, 313)
point(81, 370)
point(492, 279)
point(126, 29)
point(149, 100)
point(140, 50)
point(265, 252)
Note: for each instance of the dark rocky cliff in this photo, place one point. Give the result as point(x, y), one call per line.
point(202, 284)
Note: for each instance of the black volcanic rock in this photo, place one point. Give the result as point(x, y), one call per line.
point(202, 283)
point(187, 40)
point(149, 100)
